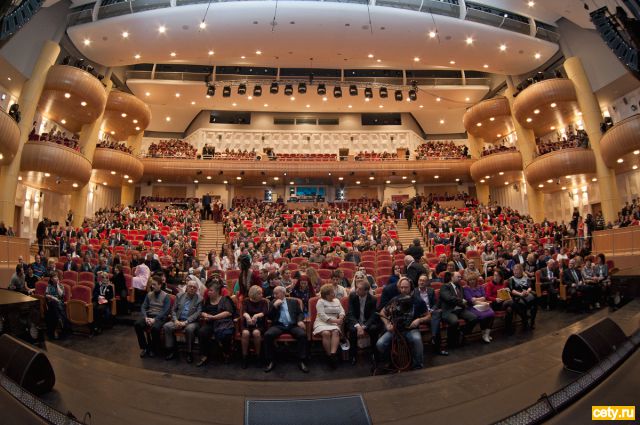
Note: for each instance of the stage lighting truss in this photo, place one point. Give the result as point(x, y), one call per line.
point(400, 92)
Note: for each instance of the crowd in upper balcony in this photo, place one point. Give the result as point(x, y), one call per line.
point(488, 150)
point(536, 78)
point(55, 136)
point(441, 150)
point(375, 156)
point(115, 145)
point(572, 139)
point(172, 148)
point(629, 215)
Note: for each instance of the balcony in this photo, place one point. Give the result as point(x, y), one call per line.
point(547, 105)
point(9, 138)
point(489, 120)
point(560, 169)
point(329, 172)
point(115, 167)
point(125, 115)
point(620, 145)
point(497, 169)
point(72, 97)
point(54, 167)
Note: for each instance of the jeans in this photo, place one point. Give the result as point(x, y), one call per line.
point(414, 339)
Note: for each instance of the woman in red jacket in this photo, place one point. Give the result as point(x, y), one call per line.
point(500, 303)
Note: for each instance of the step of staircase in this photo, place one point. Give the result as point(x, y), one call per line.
point(211, 237)
point(406, 236)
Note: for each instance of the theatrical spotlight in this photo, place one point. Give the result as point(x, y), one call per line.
point(322, 89)
point(242, 89)
point(413, 95)
point(383, 93)
point(257, 91)
point(353, 90)
point(226, 91)
point(288, 90)
point(337, 91)
point(368, 93)
point(302, 88)
point(398, 95)
point(274, 88)
point(211, 90)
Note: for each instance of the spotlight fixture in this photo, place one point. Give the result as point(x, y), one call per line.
point(226, 91)
point(413, 95)
point(368, 93)
point(242, 89)
point(274, 88)
point(211, 90)
point(398, 95)
point(257, 91)
point(288, 90)
point(383, 93)
point(353, 90)
point(322, 89)
point(302, 88)
point(337, 91)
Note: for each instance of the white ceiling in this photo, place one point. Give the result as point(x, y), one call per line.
point(164, 103)
point(319, 31)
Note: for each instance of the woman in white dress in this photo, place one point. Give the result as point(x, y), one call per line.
point(329, 322)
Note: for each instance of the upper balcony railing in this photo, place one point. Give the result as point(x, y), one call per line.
point(472, 12)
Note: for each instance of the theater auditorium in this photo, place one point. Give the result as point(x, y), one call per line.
point(335, 212)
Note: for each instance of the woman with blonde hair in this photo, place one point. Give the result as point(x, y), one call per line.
point(329, 321)
point(314, 278)
point(254, 312)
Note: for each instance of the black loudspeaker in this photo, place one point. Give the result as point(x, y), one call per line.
point(26, 365)
point(584, 350)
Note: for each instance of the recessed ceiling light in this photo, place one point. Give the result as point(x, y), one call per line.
point(19, 178)
point(485, 66)
point(137, 128)
point(210, 52)
point(358, 182)
point(264, 182)
point(413, 181)
point(83, 103)
point(441, 121)
point(113, 173)
point(67, 95)
point(492, 119)
point(416, 59)
point(552, 128)
point(540, 185)
point(193, 102)
point(126, 176)
point(564, 188)
point(135, 121)
point(371, 177)
point(452, 62)
point(635, 167)
point(370, 55)
point(349, 106)
point(130, 181)
point(531, 3)
point(137, 56)
point(225, 182)
point(324, 99)
point(9, 78)
point(162, 29)
point(168, 119)
point(276, 178)
point(203, 25)
point(388, 182)
point(537, 56)
point(75, 185)
point(87, 41)
point(366, 99)
point(172, 54)
point(503, 47)
point(636, 152)
point(196, 181)
point(421, 106)
point(159, 180)
point(553, 105)
point(125, 34)
point(550, 181)
point(595, 179)
point(432, 34)
point(536, 111)
point(380, 106)
point(209, 177)
point(308, 106)
point(123, 115)
point(378, 60)
point(47, 175)
point(113, 132)
point(147, 94)
point(529, 120)
point(436, 177)
point(243, 57)
point(341, 178)
point(479, 124)
point(258, 52)
point(249, 97)
point(404, 177)
point(233, 104)
point(466, 99)
point(292, 98)
point(177, 94)
point(239, 178)
point(481, 180)
point(457, 180)
point(487, 177)
point(469, 41)
point(620, 160)
point(501, 173)
point(498, 135)
point(63, 121)
point(266, 105)
point(438, 99)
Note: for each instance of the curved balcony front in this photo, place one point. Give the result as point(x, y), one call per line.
point(255, 172)
point(125, 115)
point(9, 138)
point(489, 120)
point(498, 168)
point(115, 167)
point(547, 105)
point(620, 145)
point(562, 168)
point(55, 167)
point(72, 97)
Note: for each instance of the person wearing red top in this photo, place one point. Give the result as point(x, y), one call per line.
point(497, 304)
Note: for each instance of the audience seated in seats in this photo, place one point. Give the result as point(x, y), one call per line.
point(172, 148)
point(286, 317)
point(362, 321)
point(550, 282)
point(414, 270)
point(582, 295)
point(428, 295)
point(56, 312)
point(524, 298)
point(441, 150)
point(329, 322)
point(499, 295)
point(479, 305)
point(18, 282)
point(404, 313)
point(184, 317)
point(301, 290)
point(497, 148)
point(118, 146)
point(57, 137)
point(303, 156)
point(454, 308)
point(577, 139)
point(236, 155)
point(102, 296)
point(375, 156)
point(254, 315)
point(217, 313)
point(154, 313)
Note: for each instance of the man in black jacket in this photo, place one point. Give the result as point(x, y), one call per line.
point(362, 318)
point(415, 250)
point(414, 270)
point(454, 308)
point(286, 317)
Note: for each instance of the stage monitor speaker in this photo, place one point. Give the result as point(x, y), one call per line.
point(28, 366)
point(584, 350)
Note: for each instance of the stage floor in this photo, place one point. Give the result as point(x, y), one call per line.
point(474, 391)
